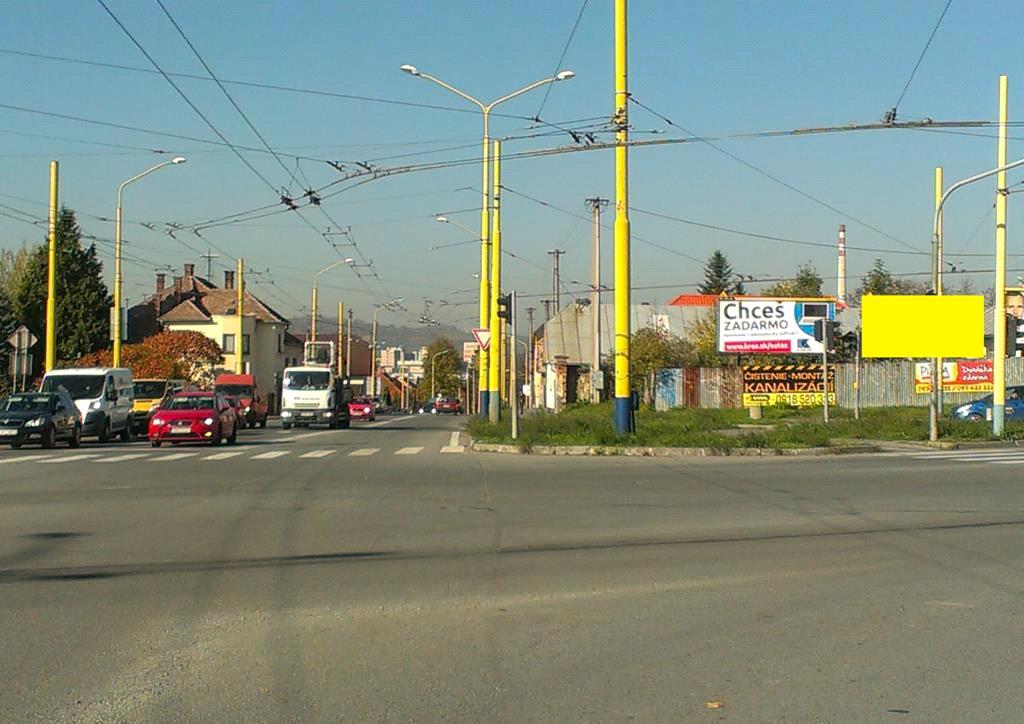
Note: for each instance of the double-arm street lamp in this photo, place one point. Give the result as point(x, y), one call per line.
point(316, 278)
point(485, 289)
point(117, 253)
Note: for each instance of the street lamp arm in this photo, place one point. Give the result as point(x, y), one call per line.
point(966, 181)
point(456, 91)
point(519, 92)
point(136, 177)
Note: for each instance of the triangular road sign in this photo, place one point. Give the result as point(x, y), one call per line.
point(483, 336)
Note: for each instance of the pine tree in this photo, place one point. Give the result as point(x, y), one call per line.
point(83, 302)
point(719, 276)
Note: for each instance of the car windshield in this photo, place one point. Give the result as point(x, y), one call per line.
point(190, 402)
point(236, 390)
point(80, 387)
point(26, 403)
point(150, 390)
point(307, 380)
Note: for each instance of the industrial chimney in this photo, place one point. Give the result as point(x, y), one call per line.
point(841, 270)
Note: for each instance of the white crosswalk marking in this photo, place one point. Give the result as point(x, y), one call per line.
point(121, 458)
point(224, 455)
point(995, 457)
point(317, 454)
point(174, 456)
point(271, 454)
point(364, 452)
point(453, 445)
point(28, 458)
point(70, 458)
point(409, 451)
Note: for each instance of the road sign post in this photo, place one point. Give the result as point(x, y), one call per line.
point(22, 340)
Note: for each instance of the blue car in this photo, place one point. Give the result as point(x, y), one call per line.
point(981, 409)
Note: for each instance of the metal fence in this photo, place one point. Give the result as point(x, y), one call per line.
point(882, 384)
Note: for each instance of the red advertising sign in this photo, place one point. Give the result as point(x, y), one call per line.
point(959, 376)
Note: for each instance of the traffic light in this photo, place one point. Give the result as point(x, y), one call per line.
point(825, 332)
point(1014, 336)
point(504, 302)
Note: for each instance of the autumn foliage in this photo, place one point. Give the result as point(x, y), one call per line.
point(168, 355)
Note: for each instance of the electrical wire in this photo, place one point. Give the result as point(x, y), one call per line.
point(919, 59)
point(561, 58)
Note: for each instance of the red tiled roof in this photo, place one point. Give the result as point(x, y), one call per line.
point(694, 300)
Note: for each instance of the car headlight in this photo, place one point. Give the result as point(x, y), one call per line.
point(286, 413)
point(208, 421)
point(246, 408)
point(96, 405)
point(37, 422)
point(327, 414)
point(157, 421)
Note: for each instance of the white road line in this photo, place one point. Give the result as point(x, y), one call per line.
point(317, 454)
point(453, 445)
point(389, 421)
point(967, 453)
point(121, 458)
point(174, 456)
point(27, 458)
point(271, 454)
point(982, 458)
point(364, 452)
point(304, 435)
point(224, 455)
point(69, 458)
point(1018, 461)
point(409, 451)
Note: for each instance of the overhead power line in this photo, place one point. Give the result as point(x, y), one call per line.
point(561, 58)
point(890, 116)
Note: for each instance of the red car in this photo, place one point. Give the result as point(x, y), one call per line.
point(362, 409)
point(447, 405)
point(193, 417)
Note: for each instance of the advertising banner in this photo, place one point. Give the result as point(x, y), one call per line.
point(799, 385)
point(770, 326)
point(957, 376)
point(469, 350)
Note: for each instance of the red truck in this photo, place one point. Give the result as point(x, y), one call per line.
point(247, 390)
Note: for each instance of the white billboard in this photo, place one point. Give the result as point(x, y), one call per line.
point(770, 326)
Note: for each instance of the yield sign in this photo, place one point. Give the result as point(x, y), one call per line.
point(483, 336)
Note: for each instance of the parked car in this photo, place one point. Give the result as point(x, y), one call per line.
point(147, 396)
point(981, 409)
point(194, 417)
point(103, 395)
point(45, 417)
point(447, 405)
point(362, 408)
point(427, 408)
point(247, 389)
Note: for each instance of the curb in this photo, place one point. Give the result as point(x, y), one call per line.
point(668, 452)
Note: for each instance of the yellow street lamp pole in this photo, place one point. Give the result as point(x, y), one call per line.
point(240, 317)
point(623, 400)
point(313, 308)
point(51, 277)
point(485, 293)
point(494, 363)
point(999, 353)
point(117, 252)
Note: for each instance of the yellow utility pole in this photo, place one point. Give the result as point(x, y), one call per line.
point(240, 340)
point(341, 336)
point(999, 353)
point(312, 317)
point(623, 399)
point(935, 404)
point(51, 275)
point(494, 363)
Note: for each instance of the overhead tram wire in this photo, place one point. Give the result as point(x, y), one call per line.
point(890, 116)
point(775, 178)
point(561, 58)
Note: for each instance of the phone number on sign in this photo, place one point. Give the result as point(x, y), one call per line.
point(799, 399)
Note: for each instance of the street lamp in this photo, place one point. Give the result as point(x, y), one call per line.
point(177, 160)
point(433, 379)
point(316, 277)
point(373, 341)
point(485, 221)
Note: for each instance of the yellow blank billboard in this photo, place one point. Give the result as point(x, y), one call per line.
point(923, 326)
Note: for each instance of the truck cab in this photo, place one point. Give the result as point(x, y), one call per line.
point(311, 394)
point(247, 390)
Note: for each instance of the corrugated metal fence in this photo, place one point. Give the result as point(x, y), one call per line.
point(882, 384)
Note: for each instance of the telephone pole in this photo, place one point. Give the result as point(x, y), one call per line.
point(596, 204)
point(348, 350)
point(556, 277)
point(209, 256)
point(529, 358)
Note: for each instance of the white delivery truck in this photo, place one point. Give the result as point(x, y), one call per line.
point(311, 394)
point(104, 396)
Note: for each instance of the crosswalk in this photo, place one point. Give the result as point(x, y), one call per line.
point(256, 453)
point(993, 457)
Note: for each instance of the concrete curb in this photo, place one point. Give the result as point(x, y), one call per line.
point(668, 452)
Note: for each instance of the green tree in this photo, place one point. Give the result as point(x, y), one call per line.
point(806, 283)
point(880, 280)
point(83, 302)
point(7, 325)
point(13, 265)
point(651, 350)
point(441, 369)
point(719, 276)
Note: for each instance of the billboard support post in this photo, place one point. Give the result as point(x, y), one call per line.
point(856, 379)
point(824, 380)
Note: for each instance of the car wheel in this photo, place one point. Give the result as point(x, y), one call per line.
point(104, 435)
point(217, 438)
point(974, 417)
point(16, 445)
point(233, 437)
point(76, 437)
point(345, 424)
point(155, 443)
point(49, 438)
point(286, 426)
point(263, 423)
point(126, 433)
point(332, 424)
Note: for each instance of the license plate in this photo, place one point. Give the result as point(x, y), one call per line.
point(307, 414)
point(181, 431)
point(8, 431)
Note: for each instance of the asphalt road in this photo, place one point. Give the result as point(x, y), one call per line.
point(383, 573)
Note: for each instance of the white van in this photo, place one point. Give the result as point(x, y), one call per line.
point(104, 396)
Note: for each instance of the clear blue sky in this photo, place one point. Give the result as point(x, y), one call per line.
point(712, 67)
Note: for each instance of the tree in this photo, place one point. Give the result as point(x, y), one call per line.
point(880, 281)
point(13, 265)
point(83, 302)
point(651, 350)
point(7, 325)
point(806, 283)
point(191, 356)
point(719, 276)
point(441, 368)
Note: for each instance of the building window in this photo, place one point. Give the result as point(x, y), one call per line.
point(280, 343)
point(227, 344)
point(245, 344)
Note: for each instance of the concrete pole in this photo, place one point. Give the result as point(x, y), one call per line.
point(841, 266)
point(239, 311)
point(51, 274)
point(999, 353)
point(623, 399)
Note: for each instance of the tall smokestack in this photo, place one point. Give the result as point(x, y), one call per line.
point(841, 270)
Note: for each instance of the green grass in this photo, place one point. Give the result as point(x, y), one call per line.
point(687, 427)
